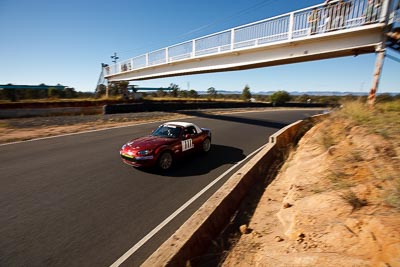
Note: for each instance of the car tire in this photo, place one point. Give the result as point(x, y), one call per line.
point(165, 161)
point(206, 145)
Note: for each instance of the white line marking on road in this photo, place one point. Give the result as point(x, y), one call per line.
point(132, 250)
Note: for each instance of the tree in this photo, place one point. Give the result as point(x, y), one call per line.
point(100, 90)
point(10, 94)
point(118, 88)
point(212, 92)
point(246, 94)
point(304, 98)
point(193, 94)
point(280, 97)
point(161, 93)
point(183, 93)
point(175, 90)
point(69, 92)
point(53, 92)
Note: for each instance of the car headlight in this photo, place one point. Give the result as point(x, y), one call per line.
point(144, 152)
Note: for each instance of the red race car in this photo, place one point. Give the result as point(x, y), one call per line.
point(169, 142)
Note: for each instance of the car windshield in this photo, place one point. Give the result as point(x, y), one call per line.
point(168, 131)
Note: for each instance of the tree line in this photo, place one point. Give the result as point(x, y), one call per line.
point(14, 95)
point(121, 90)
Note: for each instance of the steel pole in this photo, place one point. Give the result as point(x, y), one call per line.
point(377, 75)
point(381, 52)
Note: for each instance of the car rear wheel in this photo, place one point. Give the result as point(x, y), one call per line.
point(165, 161)
point(206, 145)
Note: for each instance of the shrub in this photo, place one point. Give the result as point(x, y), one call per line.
point(280, 97)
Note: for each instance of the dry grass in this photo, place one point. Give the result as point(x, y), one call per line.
point(374, 159)
point(340, 180)
point(384, 119)
point(392, 197)
point(326, 139)
point(3, 124)
point(354, 201)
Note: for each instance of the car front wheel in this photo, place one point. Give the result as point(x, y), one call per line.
point(165, 161)
point(206, 145)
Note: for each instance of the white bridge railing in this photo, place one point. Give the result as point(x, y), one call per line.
point(302, 23)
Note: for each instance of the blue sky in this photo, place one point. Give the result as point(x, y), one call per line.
point(65, 41)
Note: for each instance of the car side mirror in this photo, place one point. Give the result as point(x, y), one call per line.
point(186, 136)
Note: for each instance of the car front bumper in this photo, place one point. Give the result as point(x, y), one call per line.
point(142, 161)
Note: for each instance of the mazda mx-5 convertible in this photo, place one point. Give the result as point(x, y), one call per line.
point(169, 142)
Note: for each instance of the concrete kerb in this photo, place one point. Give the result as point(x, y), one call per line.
point(194, 236)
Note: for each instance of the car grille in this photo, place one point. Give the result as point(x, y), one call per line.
point(128, 158)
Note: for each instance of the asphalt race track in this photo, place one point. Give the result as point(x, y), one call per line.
point(70, 201)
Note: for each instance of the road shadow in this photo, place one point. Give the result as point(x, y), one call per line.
point(199, 164)
point(263, 123)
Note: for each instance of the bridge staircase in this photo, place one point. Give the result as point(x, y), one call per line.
point(393, 36)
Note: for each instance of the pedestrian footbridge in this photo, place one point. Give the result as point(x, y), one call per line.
point(334, 29)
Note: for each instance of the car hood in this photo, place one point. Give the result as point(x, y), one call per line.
point(148, 142)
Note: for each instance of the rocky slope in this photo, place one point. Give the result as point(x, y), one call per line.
point(335, 202)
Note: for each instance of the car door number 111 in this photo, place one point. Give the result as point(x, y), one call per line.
point(187, 144)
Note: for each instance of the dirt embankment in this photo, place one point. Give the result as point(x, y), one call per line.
point(335, 202)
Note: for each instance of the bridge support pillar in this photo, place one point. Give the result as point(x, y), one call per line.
point(377, 75)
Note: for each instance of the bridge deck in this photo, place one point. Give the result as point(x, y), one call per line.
point(322, 31)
